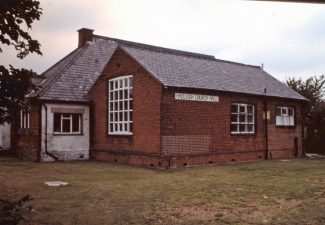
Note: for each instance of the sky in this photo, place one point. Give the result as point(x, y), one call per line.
point(287, 38)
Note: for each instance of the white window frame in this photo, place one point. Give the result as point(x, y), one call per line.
point(284, 119)
point(120, 105)
point(24, 119)
point(63, 117)
point(246, 123)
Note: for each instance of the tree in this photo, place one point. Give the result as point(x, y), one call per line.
point(313, 89)
point(16, 18)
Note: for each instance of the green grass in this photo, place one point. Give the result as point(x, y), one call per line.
point(266, 192)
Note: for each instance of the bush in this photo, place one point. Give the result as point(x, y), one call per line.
point(11, 212)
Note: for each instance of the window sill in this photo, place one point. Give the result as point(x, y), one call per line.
point(285, 126)
point(67, 134)
point(242, 134)
point(120, 134)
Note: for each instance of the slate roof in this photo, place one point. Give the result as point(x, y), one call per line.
point(72, 77)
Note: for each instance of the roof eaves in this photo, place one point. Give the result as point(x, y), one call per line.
point(237, 92)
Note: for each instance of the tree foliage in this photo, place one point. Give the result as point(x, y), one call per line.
point(16, 19)
point(313, 89)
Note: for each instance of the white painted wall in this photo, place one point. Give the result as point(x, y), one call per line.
point(66, 147)
point(5, 136)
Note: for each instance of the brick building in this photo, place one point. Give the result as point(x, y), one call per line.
point(126, 102)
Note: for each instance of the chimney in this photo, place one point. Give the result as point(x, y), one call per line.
point(85, 35)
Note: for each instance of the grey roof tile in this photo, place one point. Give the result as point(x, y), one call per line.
point(71, 78)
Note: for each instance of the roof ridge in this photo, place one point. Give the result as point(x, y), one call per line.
point(170, 50)
point(63, 70)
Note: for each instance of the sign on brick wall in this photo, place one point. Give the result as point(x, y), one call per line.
point(195, 97)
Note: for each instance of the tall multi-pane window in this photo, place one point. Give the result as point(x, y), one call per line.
point(120, 105)
point(242, 118)
point(24, 119)
point(285, 116)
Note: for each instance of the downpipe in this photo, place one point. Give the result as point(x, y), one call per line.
point(45, 139)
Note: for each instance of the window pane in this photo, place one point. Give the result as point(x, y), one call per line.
point(66, 115)
point(111, 85)
point(242, 108)
point(234, 117)
point(126, 116)
point(234, 108)
point(250, 109)
point(76, 122)
point(131, 127)
point(250, 118)
point(131, 82)
point(111, 127)
point(291, 121)
point(130, 115)
point(234, 128)
point(242, 127)
point(131, 93)
point(250, 127)
point(66, 125)
point(279, 121)
point(57, 122)
point(242, 118)
point(285, 121)
point(121, 105)
point(131, 105)
point(284, 111)
point(121, 83)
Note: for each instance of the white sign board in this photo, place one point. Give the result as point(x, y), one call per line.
point(194, 97)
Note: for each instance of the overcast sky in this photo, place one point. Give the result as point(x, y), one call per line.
point(288, 38)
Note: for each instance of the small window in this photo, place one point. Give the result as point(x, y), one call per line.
point(285, 116)
point(242, 118)
point(120, 105)
point(24, 119)
point(67, 123)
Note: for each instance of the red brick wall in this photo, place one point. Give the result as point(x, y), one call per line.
point(146, 109)
point(26, 146)
point(281, 140)
point(208, 123)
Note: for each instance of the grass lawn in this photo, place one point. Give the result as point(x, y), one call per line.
point(265, 192)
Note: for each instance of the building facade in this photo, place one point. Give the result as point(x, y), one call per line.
point(137, 104)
